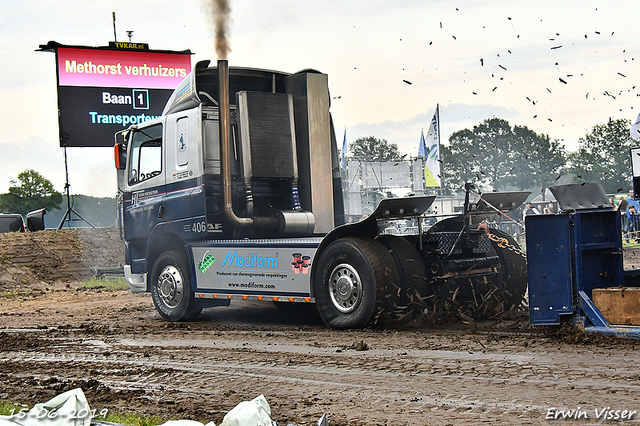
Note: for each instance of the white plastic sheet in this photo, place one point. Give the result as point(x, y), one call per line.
point(249, 413)
point(67, 409)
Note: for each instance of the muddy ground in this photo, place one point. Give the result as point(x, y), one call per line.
point(56, 336)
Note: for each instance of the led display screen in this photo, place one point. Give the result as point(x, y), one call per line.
point(102, 91)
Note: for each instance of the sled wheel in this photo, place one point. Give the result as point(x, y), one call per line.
point(171, 288)
point(514, 271)
point(349, 274)
point(414, 277)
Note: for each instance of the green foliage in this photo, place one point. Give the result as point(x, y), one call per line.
point(119, 284)
point(373, 149)
point(496, 155)
point(603, 156)
point(31, 192)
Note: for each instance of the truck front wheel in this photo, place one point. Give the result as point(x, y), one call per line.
point(349, 274)
point(171, 288)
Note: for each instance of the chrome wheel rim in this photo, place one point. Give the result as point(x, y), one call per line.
point(345, 288)
point(170, 286)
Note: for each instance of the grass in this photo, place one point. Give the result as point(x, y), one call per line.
point(128, 419)
point(6, 407)
point(94, 283)
point(119, 284)
point(15, 293)
point(133, 419)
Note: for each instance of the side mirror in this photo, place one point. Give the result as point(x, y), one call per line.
point(120, 156)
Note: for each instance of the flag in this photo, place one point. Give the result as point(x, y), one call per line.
point(422, 150)
point(343, 154)
point(635, 128)
point(432, 144)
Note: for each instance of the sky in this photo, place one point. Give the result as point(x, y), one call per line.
point(557, 67)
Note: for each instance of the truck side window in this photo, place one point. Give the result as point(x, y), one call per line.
point(146, 154)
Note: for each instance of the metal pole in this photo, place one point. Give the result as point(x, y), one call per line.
point(66, 189)
point(441, 168)
point(67, 214)
point(115, 39)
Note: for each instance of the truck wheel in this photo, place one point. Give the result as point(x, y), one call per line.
point(414, 279)
point(349, 274)
point(171, 288)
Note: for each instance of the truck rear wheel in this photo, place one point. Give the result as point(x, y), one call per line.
point(171, 288)
point(349, 274)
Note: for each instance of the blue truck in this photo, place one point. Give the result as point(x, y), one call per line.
point(235, 193)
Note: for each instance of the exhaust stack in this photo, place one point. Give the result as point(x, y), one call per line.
point(225, 146)
point(280, 222)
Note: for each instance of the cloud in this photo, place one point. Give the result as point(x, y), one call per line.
point(35, 153)
point(91, 170)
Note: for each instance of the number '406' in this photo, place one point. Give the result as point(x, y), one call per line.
point(199, 227)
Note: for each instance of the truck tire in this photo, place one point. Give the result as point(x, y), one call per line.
point(350, 275)
point(171, 288)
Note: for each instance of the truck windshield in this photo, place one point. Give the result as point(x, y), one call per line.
point(146, 154)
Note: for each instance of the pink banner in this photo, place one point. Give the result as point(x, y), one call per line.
point(116, 68)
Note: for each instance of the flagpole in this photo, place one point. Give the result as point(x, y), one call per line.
point(420, 155)
point(440, 159)
point(344, 175)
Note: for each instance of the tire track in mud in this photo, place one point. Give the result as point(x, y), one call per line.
point(409, 383)
point(368, 388)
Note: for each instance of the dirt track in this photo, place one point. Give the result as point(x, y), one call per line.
point(113, 345)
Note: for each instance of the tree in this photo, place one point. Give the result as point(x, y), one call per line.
point(33, 192)
point(603, 156)
point(374, 149)
point(496, 155)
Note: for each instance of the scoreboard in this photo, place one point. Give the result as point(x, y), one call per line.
point(102, 90)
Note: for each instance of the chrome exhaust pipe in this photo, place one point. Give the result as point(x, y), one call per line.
point(226, 150)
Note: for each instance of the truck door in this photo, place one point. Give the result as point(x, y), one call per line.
point(145, 187)
point(184, 203)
